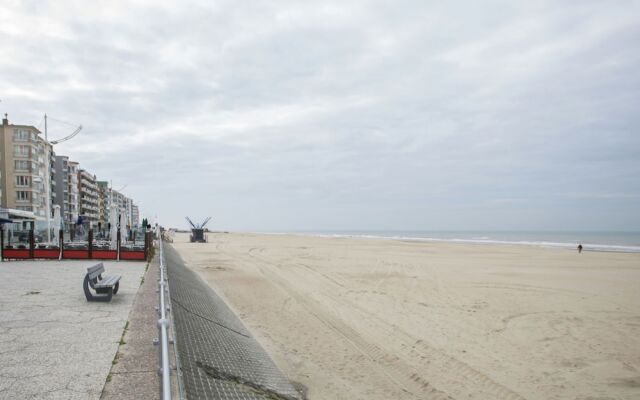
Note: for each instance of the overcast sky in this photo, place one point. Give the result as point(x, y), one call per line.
point(287, 115)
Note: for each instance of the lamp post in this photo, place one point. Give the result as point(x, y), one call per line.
point(48, 150)
point(47, 184)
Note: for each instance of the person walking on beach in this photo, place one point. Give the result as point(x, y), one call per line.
point(579, 248)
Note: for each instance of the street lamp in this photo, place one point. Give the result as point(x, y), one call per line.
point(48, 149)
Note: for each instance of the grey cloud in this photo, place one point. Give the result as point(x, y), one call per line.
point(344, 115)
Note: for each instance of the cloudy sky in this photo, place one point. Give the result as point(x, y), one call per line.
point(290, 115)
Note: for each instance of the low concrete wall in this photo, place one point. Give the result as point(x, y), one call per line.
point(219, 357)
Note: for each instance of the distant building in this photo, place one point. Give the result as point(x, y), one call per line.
point(119, 201)
point(61, 185)
point(135, 216)
point(74, 198)
point(104, 193)
point(88, 190)
point(33, 179)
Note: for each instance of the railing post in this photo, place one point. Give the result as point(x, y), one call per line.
point(146, 246)
point(118, 243)
point(32, 243)
point(90, 243)
point(60, 243)
point(1, 242)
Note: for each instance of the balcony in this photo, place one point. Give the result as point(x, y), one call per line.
point(28, 138)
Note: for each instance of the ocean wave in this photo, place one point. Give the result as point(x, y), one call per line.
point(541, 243)
point(481, 240)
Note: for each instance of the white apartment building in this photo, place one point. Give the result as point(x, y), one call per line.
point(25, 157)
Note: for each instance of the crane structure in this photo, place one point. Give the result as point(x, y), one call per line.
point(197, 231)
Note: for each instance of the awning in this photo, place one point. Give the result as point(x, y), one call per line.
point(12, 212)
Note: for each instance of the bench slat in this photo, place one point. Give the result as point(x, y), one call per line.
point(94, 271)
point(108, 281)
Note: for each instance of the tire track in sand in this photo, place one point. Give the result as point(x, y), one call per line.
point(410, 377)
point(387, 364)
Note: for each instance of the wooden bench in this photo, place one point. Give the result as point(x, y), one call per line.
point(107, 286)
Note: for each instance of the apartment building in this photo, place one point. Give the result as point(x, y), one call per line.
point(61, 186)
point(24, 159)
point(103, 202)
point(127, 210)
point(119, 200)
point(74, 197)
point(135, 215)
point(88, 191)
point(33, 178)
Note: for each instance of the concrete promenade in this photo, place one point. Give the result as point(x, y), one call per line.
point(53, 343)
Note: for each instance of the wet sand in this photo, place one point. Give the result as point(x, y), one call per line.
point(357, 318)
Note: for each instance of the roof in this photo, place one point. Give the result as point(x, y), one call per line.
point(23, 126)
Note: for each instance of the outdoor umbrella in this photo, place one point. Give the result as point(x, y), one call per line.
point(123, 226)
point(56, 223)
point(113, 220)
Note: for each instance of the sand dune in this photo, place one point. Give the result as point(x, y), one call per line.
point(385, 319)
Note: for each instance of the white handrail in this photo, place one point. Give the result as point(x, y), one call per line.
point(163, 327)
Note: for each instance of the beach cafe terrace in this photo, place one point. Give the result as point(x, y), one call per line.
point(24, 237)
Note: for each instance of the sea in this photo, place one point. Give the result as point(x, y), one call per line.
point(591, 241)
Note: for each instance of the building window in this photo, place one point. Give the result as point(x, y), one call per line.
point(23, 181)
point(20, 135)
point(22, 165)
point(20, 150)
point(24, 208)
point(22, 195)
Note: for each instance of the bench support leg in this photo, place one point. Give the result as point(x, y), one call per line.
point(86, 288)
point(109, 292)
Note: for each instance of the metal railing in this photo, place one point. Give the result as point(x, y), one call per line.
point(163, 328)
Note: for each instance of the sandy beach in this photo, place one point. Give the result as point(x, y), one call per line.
point(354, 318)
